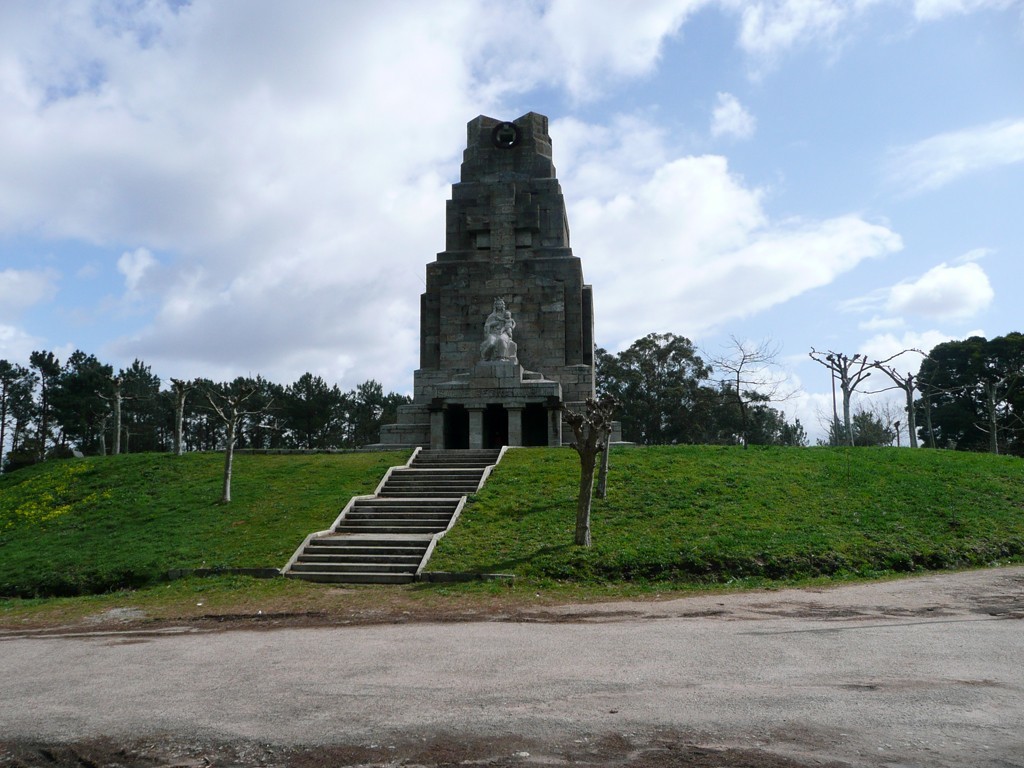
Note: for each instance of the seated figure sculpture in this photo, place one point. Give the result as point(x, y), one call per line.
point(497, 343)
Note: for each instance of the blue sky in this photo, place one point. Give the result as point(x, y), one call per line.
point(226, 188)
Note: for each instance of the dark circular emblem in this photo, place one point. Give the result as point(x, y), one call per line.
point(505, 135)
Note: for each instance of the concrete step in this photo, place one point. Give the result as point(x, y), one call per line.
point(436, 477)
point(383, 540)
point(437, 491)
point(442, 480)
point(399, 514)
point(437, 523)
point(382, 502)
point(428, 491)
point(423, 493)
point(383, 568)
point(384, 528)
point(455, 459)
point(331, 577)
point(461, 465)
point(413, 469)
point(491, 453)
point(360, 557)
point(406, 545)
point(454, 489)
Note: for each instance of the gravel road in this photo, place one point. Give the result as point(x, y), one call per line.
point(920, 672)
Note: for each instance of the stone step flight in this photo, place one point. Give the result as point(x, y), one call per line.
point(388, 537)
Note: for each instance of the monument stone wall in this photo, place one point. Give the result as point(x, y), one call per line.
point(491, 377)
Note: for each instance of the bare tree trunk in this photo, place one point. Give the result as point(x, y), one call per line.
point(3, 428)
point(179, 426)
point(587, 462)
point(117, 421)
point(847, 423)
point(103, 436)
point(591, 430)
point(911, 417)
point(928, 420)
point(602, 475)
point(743, 423)
point(229, 461)
point(180, 392)
point(228, 406)
point(993, 424)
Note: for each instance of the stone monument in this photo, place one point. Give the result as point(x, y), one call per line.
point(506, 322)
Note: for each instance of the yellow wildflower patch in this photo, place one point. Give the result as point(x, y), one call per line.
point(44, 498)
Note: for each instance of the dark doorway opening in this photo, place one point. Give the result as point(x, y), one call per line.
point(535, 424)
point(495, 426)
point(456, 427)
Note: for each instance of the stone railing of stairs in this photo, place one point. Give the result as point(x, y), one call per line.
point(387, 538)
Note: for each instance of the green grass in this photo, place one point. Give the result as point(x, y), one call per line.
point(675, 517)
point(91, 525)
point(700, 515)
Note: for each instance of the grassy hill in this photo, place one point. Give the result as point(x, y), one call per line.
point(687, 514)
point(717, 514)
point(88, 525)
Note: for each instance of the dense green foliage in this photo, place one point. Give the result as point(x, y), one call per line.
point(50, 410)
point(716, 514)
point(972, 395)
point(666, 395)
point(88, 525)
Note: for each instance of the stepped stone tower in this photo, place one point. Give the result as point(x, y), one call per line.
point(506, 322)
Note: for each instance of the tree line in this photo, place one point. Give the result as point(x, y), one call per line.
point(966, 395)
point(667, 393)
point(54, 409)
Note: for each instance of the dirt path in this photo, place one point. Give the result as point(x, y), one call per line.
point(921, 672)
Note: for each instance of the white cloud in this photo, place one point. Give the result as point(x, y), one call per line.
point(686, 246)
point(946, 157)
point(884, 345)
point(931, 10)
point(595, 38)
point(877, 323)
point(134, 265)
point(975, 254)
point(769, 28)
point(944, 292)
point(730, 118)
point(23, 288)
point(287, 195)
point(291, 169)
point(16, 344)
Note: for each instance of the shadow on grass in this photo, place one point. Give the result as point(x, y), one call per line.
point(504, 566)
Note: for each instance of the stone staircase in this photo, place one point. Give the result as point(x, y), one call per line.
point(387, 538)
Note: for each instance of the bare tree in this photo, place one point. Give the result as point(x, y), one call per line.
point(180, 390)
point(748, 378)
point(116, 399)
point(850, 372)
point(591, 430)
point(907, 382)
point(228, 402)
point(602, 472)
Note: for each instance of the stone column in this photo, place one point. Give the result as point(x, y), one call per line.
point(515, 424)
point(436, 429)
point(476, 428)
point(554, 426)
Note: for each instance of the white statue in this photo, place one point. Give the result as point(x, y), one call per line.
point(498, 344)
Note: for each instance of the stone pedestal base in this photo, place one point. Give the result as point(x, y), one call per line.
point(496, 403)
